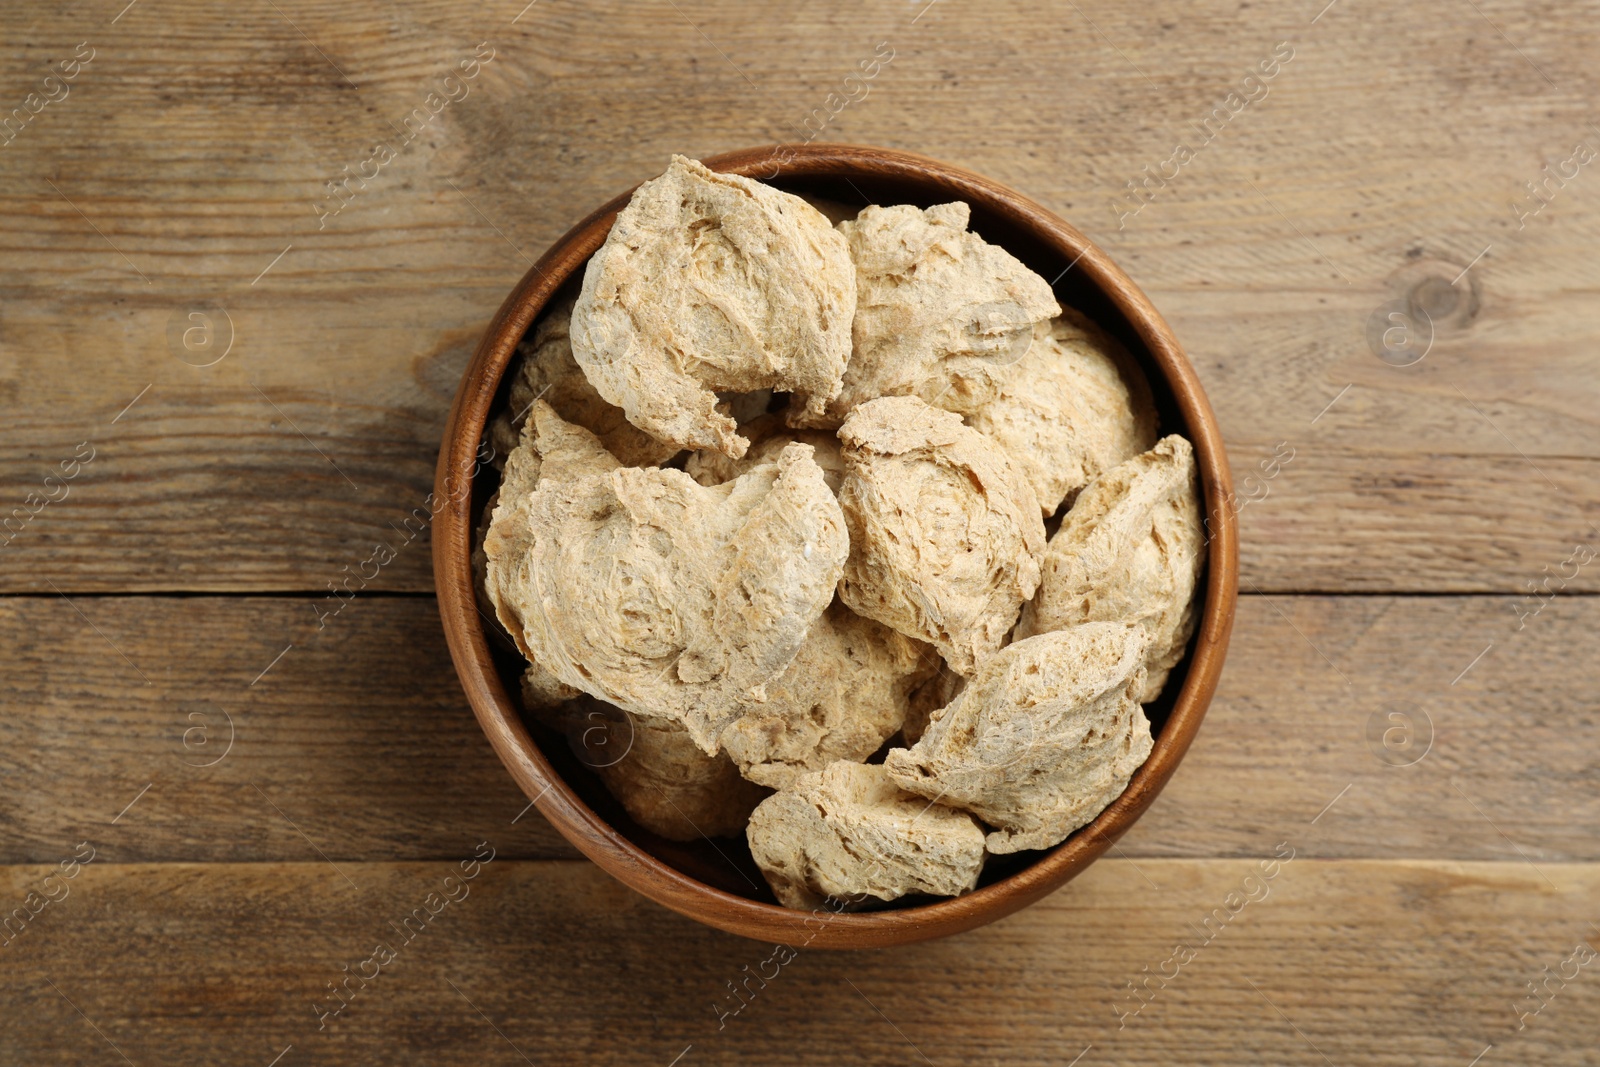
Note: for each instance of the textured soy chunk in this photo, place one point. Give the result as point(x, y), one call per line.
point(547, 448)
point(713, 282)
point(940, 313)
point(768, 436)
point(945, 532)
point(1131, 550)
point(848, 832)
point(543, 691)
point(666, 783)
point(545, 370)
point(663, 596)
point(845, 694)
point(1066, 412)
point(1046, 735)
point(926, 700)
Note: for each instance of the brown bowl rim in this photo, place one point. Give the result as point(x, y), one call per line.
point(501, 720)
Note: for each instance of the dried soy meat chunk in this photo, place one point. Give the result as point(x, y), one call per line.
point(667, 784)
point(547, 447)
point(1041, 740)
point(665, 597)
point(768, 436)
point(845, 694)
point(713, 282)
point(945, 533)
point(848, 832)
point(940, 313)
point(1071, 409)
point(545, 370)
point(1131, 550)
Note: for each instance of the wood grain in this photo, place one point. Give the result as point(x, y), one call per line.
point(363, 739)
point(356, 743)
point(1490, 758)
point(188, 157)
point(195, 146)
point(556, 963)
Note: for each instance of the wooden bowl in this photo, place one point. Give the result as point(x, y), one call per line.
point(715, 881)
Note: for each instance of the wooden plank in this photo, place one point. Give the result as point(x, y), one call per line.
point(354, 743)
point(360, 737)
point(1395, 726)
point(181, 174)
point(1374, 517)
point(551, 962)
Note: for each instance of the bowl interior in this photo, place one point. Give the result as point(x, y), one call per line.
point(1078, 274)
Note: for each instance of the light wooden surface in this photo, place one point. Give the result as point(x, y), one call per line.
point(558, 962)
point(1386, 556)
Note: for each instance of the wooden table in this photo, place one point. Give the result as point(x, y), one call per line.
point(267, 789)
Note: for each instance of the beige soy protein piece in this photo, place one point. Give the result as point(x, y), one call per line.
point(545, 370)
point(1131, 550)
point(929, 697)
point(945, 532)
point(1046, 735)
point(845, 694)
point(664, 597)
point(543, 691)
point(847, 831)
point(1066, 412)
point(940, 313)
point(713, 282)
point(548, 447)
point(666, 783)
point(768, 436)
point(540, 689)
